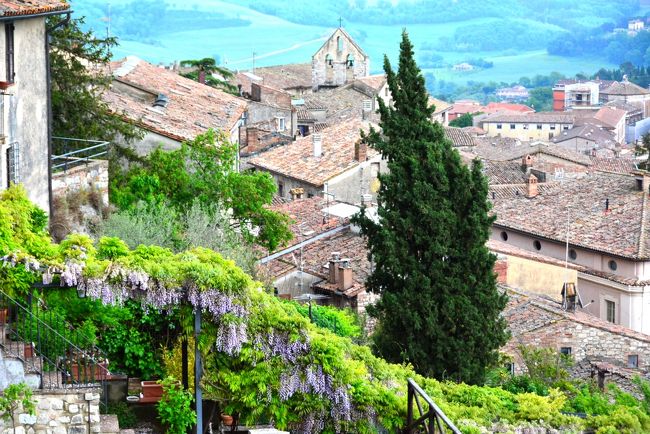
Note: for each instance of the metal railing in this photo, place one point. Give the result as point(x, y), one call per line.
point(430, 419)
point(48, 346)
point(69, 152)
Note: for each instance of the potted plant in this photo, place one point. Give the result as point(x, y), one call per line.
point(29, 350)
point(226, 419)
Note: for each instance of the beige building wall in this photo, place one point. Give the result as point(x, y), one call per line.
point(525, 131)
point(25, 110)
point(537, 277)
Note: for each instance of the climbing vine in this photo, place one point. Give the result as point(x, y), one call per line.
point(265, 361)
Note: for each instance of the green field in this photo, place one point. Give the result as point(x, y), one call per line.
point(276, 41)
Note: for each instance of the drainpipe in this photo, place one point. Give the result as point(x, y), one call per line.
point(50, 118)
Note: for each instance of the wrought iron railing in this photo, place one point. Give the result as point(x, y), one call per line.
point(68, 152)
point(430, 419)
point(48, 346)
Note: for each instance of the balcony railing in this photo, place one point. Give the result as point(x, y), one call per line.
point(430, 419)
point(69, 152)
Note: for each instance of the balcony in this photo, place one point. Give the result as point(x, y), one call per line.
point(68, 153)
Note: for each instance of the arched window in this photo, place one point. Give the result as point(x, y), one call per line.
point(328, 60)
point(350, 61)
point(339, 43)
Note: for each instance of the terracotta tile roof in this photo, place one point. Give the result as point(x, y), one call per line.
point(192, 107)
point(602, 84)
point(610, 116)
point(31, 7)
point(601, 137)
point(613, 165)
point(296, 160)
point(624, 88)
point(508, 150)
point(374, 81)
point(290, 76)
point(514, 191)
point(541, 117)
point(504, 172)
point(316, 258)
point(341, 103)
point(519, 299)
point(628, 107)
point(496, 107)
point(458, 137)
point(461, 108)
point(307, 215)
point(441, 106)
point(622, 231)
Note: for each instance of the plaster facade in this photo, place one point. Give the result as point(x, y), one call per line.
point(595, 279)
point(24, 107)
point(525, 130)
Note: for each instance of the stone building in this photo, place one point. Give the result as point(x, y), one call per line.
point(170, 108)
point(600, 350)
point(333, 161)
point(24, 96)
point(339, 61)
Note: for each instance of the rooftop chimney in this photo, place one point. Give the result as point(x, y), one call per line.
point(361, 150)
point(333, 269)
point(317, 140)
point(531, 186)
point(527, 162)
point(345, 275)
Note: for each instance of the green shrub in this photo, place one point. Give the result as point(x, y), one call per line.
point(342, 322)
point(174, 408)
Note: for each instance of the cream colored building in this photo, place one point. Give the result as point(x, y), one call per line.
point(24, 98)
point(527, 127)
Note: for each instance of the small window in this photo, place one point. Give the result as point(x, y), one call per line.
point(386, 91)
point(612, 265)
point(504, 236)
point(499, 126)
point(310, 195)
point(573, 254)
point(339, 44)
point(537, 245)
point(552, 127)
point(9, 59)
point(513, 126)
point(610, 306)
point(510, 368)
point(281, 124)
point(566, 351)
point(633, 361)
point(280, 189)
point(566, 127)
point(539, 126)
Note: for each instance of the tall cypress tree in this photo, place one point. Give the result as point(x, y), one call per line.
point(440, 306)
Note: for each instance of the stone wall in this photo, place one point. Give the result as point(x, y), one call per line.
point(88, 176)
point(60, 412)
point(603, 346)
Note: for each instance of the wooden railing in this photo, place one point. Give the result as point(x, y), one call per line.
point(430, 419)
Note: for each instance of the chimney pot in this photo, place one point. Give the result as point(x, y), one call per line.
point(317, 140)
point(531, 184)
point(333, 267)
point(345, 275)
point(360, 150)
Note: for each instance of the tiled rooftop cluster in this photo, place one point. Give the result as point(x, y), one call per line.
point(191, 108)
point(31, 7)
point(341, 103)
point(297, 160)
point(621, 230)
point(307, 215)
point(290, 76)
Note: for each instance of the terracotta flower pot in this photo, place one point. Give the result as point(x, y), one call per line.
point(4, 316)
point(29, 350)
point(226, 419)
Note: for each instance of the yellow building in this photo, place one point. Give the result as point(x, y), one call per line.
point(527, 127)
